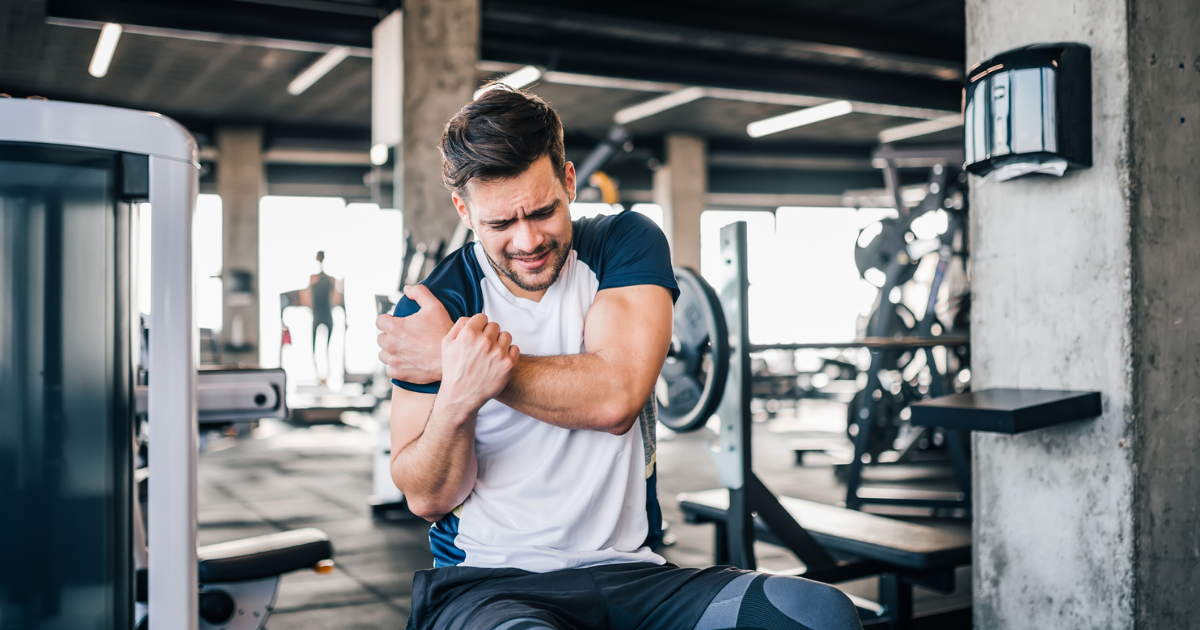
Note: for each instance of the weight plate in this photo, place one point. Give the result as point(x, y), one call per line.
point(693, 377)
point(885, 421)
point(877, 246)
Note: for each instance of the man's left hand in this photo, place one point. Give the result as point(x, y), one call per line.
point(411, 347)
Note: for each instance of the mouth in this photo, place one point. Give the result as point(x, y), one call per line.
point(532, 264)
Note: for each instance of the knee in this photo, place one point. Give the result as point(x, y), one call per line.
point(814, 604)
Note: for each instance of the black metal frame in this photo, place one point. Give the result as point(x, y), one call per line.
point(957, 502)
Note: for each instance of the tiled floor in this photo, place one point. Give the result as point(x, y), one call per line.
point(282, 477)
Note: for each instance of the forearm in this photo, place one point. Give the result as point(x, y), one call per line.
point(576, 391)
point(436, 471)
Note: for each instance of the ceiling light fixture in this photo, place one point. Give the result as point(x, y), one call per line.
point(379, 154)
point(917, 129)
point(659, 105)
point(320, 68)
point(110, 34)
point(518, 80)
point(791, 120)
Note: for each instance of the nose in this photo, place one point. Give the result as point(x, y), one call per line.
point(527, 238)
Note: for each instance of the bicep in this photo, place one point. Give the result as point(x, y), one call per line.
point(631, 327)
point(410, 412)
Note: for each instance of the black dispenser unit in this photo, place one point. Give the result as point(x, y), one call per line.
point(1029, 110)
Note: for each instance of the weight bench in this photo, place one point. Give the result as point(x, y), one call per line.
point(239, 579)
point(902, 554)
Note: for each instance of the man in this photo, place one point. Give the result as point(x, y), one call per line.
point(324, 296)
point(522, 417)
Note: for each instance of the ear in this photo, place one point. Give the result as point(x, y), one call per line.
point(569, 181)
point(460, 205)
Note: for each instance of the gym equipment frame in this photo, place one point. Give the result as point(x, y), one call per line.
point(835, 544)
point(70, 179)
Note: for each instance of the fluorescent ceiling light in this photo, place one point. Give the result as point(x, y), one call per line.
point(791, 120)
point(518, 79)
point(658, 105)
point(110, 34)
point(379, 154)
point(320, 68)
point(925, 127)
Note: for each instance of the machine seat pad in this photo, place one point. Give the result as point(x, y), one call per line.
point(263, 556)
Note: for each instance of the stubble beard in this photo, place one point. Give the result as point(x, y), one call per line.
point(544, 277)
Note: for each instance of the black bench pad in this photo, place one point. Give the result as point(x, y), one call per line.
point(263, 556)
point(840, 530)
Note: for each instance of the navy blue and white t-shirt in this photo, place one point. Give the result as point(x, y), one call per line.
point(548, 498)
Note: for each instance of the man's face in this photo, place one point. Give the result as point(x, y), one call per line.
point(524, 224)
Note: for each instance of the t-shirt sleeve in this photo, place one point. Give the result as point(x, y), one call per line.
point(404, 308)
point(635, 251)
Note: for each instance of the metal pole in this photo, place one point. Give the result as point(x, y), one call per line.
point(734, 449)
point(172, 405)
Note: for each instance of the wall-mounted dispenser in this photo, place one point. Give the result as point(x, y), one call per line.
point(1029, 110)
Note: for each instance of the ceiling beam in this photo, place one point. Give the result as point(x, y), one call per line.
point(331, 23)
point(792, 34)
point(656, 63)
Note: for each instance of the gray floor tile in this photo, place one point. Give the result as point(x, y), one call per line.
point(371, 616)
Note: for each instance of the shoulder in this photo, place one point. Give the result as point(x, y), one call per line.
point(625, 249)
point(455, 283)
point(596, 238)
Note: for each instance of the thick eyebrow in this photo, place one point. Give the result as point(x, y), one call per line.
point(552, 206)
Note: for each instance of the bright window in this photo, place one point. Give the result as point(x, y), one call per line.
point(363, 247)
point(581, 210)
point(804, 285)
point(206, 260)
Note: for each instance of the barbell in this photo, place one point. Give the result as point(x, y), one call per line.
point(693, 377)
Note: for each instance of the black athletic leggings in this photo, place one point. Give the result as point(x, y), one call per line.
point(762, 602)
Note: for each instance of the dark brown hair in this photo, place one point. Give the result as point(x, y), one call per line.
point(499, 135)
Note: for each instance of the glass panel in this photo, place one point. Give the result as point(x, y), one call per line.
point(65, 433)
point(969, 132)
point(978, 121)
point(1000, 112)
point(1049, 107)
point(1026, 99)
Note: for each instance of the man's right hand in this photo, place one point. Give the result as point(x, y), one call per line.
point(410, 347)
point(477, 361)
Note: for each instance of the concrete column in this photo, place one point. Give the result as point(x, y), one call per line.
point(425, 58)
point(1088, 283)
point(680, 187)
point(241, 182)
point(1164, 121)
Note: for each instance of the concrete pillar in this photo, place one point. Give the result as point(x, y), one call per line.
point(241, 182)
point(680, 187)
point(1164, 120)
point(1088, 283)
point(423, 73)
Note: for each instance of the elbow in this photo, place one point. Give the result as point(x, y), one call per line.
point(424, 509)
point(618, 418)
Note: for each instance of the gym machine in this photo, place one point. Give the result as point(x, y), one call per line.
point(707, 375)
point(878, 409)
point(70, 178)
point(903, 366)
